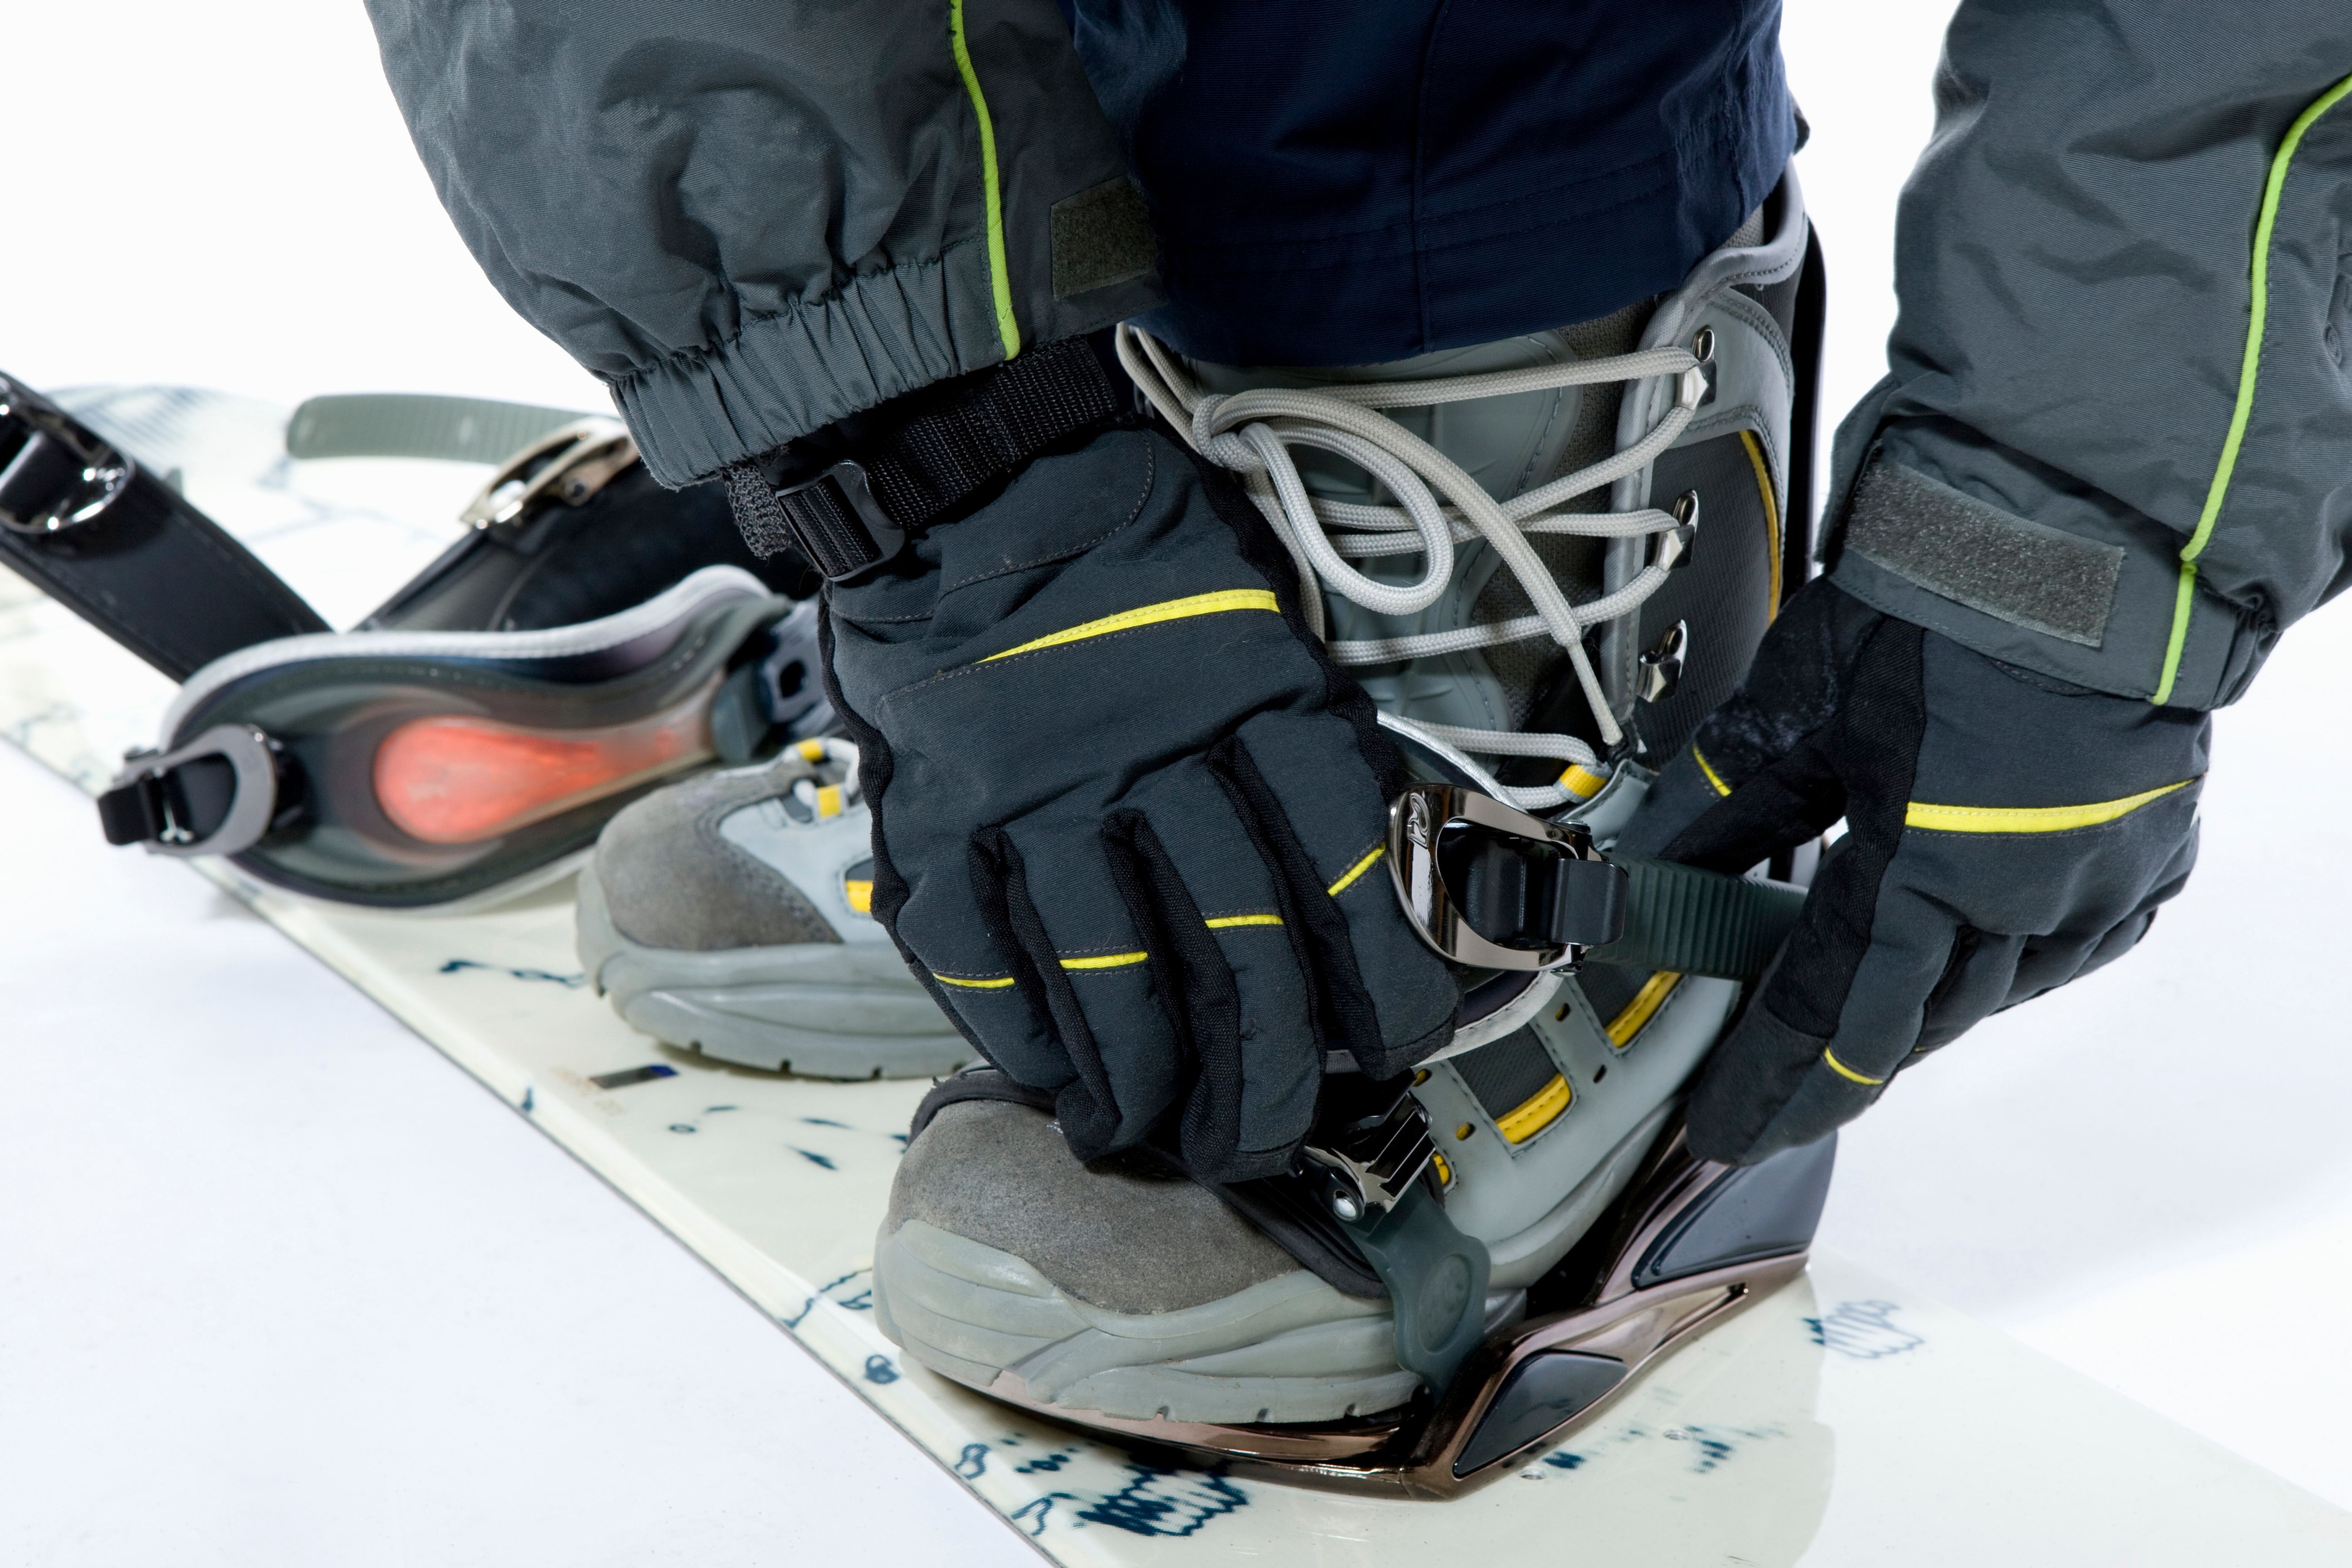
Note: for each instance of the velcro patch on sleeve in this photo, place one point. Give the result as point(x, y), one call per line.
point(1970, 551)
point(1100, 237)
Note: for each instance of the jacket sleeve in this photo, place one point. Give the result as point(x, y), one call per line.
point(2115, 444)
point(753, 217)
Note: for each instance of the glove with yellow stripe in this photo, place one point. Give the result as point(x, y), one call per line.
point(2006, 833)
point(1127, 818)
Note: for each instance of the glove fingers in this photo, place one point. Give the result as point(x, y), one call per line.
point(1224, 973)
point(2044, 968)
point(1107, 1092)
point(1376, 991)
point(1758, 777)
point(1898, 957)
point(1835, 1019)
point(1694, 815)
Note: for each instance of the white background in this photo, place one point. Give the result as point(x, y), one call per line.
point(279, 1285)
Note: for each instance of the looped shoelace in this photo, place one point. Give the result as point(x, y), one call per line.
point(1252, 434)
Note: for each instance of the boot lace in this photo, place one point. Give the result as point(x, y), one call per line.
point(1438, 505)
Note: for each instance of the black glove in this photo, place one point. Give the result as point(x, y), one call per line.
point(2006, 832)
point(1128, 818)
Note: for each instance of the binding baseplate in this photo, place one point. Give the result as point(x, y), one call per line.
point(1689, 1244)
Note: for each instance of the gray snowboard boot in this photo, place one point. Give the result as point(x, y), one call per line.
point(729, 914)
point(1555, 556)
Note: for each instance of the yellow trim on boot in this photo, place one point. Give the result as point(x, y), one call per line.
point(1537, 1111)
point(1644, 1007)
point(1771, 515)
point(1582, 782)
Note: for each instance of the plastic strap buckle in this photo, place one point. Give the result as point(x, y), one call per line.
point(160, 799)
point(839, 524)
point(1493, 887)
point(859, 512)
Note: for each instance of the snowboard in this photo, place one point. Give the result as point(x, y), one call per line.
point(1840, 1420)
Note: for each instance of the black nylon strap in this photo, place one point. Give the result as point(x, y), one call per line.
point(757, 515)
point(149, 569)
point(856, 515)
point(1027, 405)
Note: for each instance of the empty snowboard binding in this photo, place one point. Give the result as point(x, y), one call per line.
point(592, 636)
point(397, 769)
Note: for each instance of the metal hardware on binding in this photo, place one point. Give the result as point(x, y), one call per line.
point(841, 526)
point(1562, 894)
point(59, 473)
point(1364, 1167)
point(144, 800)
point(569, 465)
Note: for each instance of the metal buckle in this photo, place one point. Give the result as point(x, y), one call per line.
point(1364, 1169)
point(824, 519)
point(569, 465)
point(254, 757)
point(1417, 822)
point(61, 474)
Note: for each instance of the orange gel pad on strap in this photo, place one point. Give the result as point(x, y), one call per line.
point(461, 780)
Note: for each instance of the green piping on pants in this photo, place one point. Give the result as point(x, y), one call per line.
point(2248, 369)
point(998, 278)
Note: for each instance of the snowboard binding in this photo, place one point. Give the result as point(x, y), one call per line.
point(1482, 1365)
point(591, 636)
point(1690, 1243)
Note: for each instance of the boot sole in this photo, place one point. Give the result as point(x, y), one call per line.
point(1290, 1348)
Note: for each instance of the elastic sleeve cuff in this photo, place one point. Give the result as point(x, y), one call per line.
point(882, 334)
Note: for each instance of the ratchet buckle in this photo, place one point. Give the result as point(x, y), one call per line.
point(1493, 887)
